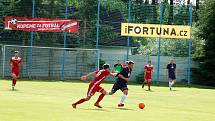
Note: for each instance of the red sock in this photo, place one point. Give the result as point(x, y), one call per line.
point(80, 101)
point(100, 98)
point(13, 82)
point(149, 84)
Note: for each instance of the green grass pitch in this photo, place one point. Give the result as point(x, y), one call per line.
point(51, 101)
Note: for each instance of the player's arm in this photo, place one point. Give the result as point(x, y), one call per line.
point(20, 63)
point(167, 72)
point(146, 70)
point(90, 74)
point(153, 69)
point(113, 74)
point(122, 77)
point(11, 65)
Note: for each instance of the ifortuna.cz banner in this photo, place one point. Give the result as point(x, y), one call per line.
point(155, 30)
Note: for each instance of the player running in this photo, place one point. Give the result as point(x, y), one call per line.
point(15, 63)
point(171, 72)
point(148, 69)
point(122, 81)
point(94, 86)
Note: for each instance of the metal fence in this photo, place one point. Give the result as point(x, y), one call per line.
point(47, 62)
point(100, 30)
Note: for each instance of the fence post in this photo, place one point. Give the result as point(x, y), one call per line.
point(129, 20)
point(31, 42)
point(159, 43)
point(97, 33)
point(3, 61)
point(190, 45)
point(64, 43)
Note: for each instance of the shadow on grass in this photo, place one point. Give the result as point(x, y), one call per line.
point(93, 109)
point(121, 108)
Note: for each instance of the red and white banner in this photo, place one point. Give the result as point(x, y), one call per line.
point(41, 24)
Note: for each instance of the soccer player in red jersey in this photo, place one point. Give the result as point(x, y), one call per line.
point(15, 63)
point(148, 74)
point(94, 86)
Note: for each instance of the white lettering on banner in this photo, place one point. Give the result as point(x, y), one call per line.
point(50, 26)
point(41, 24)
point(26, 26)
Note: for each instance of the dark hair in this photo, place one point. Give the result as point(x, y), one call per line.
point(16, 51)
point(130, 62)
point(106, 66)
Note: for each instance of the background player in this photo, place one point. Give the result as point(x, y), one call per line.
point(121, 82)
point(94, 85)
point(15, 63)
point(171, 72)
point(148, 70)
point(117, 68)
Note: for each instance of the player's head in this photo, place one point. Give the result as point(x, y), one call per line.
point(171, 60)
point(130, 64)
point(16, 53)
point(118, 61)
point(126, 62)
point(106, 66)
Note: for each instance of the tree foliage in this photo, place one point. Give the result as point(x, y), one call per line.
point(206, 32)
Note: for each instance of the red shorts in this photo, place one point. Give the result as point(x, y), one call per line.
point(148, 76)
point(93, 88)
point(15, 71)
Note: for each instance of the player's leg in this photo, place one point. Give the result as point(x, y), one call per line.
point(14, 78)
point(121, 102)
point(114, 89)
point(91, 91)
point(149, 84)
point(173, 82)
point(170, 84)
point(101, 96)
point(124, 89)
point(81, 101)
point(144, 82)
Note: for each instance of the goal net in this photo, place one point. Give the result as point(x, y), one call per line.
point(50, 62)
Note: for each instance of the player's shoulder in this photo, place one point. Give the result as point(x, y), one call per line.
point(125, 68)
point(19, 58)
point(104, 71)
point(12, 58)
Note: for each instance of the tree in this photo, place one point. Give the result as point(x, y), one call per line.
point(206, 31)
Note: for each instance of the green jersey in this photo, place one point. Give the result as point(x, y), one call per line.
point(117, 68)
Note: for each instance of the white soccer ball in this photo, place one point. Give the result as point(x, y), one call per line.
point(13, 21)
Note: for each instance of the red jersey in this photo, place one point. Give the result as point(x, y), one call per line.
point(15, 61)
point(100, 76)
point(148, 73)
point(149, 69)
